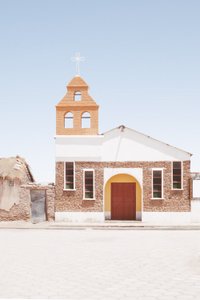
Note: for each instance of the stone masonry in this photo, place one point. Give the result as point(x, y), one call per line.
point(72, 200)
point(174, 200)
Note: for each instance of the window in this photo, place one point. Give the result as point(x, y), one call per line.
point(69, 176)
point(157, 184)
point(85, 120)
point(69, 118)
point(88, 184)
point(177, 175)
point(77, 96)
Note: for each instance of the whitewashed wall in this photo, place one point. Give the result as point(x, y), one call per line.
point(129, 145)
point(116, 145)
point(78, 148)
point(196, 189)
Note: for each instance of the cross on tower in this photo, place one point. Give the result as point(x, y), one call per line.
point(77, 59)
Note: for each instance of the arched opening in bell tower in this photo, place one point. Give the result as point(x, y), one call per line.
point(69, 120)
point(85, 120)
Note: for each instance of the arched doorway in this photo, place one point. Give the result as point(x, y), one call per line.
point(122, 198)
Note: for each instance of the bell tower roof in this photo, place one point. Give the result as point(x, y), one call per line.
point(77, 112)
point(77, 85)
point(77, 82)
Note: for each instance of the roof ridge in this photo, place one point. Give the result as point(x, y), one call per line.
point(123, 127)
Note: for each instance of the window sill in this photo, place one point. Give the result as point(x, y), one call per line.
point(69, 190)
point(157, 199)
point(88, 199)
point(177, 189)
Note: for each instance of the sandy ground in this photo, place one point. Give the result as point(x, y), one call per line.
point(100, 264)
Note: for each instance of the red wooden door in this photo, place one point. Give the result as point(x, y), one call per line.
point(123, 201)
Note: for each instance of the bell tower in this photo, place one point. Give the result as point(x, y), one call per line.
point(77, 112)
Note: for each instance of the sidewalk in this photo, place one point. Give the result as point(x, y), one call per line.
point(107, 225)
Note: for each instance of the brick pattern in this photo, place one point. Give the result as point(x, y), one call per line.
point(73, 200)
point(77, 113)
point(100, 264)
point(68, 104)
point(174, 200)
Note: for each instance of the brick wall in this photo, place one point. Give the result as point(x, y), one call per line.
point(77, 108)
point(77, 114)
point(72, 200)
point(176, 201)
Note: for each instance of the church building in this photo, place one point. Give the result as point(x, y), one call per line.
point(121, 174)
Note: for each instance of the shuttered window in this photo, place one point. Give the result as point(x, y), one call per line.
point(177, 175)
point(88, 184)
point(157, 184)
point(69, 176)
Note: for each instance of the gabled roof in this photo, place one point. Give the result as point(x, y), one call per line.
point(122, 128)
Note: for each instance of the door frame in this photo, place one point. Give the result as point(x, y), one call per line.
point(45, 205)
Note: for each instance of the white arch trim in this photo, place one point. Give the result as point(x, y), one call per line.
point(135, 172)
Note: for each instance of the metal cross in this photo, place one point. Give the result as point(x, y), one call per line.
point(77, 58)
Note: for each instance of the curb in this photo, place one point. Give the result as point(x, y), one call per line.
point(90, 226)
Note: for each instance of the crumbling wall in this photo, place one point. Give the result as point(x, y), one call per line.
point(9, 194)
point(50, 200)
point(20, 210)
point(16, 205)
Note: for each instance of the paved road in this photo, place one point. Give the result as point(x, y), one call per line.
point(100, 264)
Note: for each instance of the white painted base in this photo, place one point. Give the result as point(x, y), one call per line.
point(160, 218)
point(196, 188)
point(167, 218)
point(138, 216)
point(79, 217)
point(107, 215)
point(195, 210)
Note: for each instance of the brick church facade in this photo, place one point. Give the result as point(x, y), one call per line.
point(119, 175)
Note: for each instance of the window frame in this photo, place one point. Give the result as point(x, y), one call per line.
point(162, 177)
point(93, 171)
point(74, 183)
point(172, 175)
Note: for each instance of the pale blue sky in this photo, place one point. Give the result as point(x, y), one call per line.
point(142, 65)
